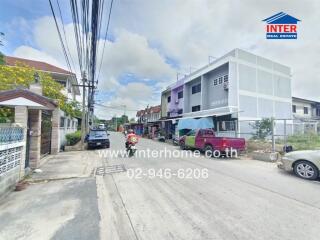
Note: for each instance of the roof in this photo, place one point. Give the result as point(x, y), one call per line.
point(23, 97)
point(305, 100)
point(154, 109)
point(42, 66)
point(281, 18)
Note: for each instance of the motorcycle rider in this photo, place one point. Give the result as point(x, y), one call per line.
point(131, 138)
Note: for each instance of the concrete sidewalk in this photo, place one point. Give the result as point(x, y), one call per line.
point(66, 165)
point(59, 203)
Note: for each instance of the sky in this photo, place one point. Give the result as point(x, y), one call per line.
point(150, 41)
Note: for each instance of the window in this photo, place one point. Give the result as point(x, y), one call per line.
point(68, 123)
point(180, 111)
point(191, 133)
point(305, 110)
point(318, 112)
point(225, 78)
point(168, 114)
point(61, 121)
point(169, 99)
point(294, 108)
point(215, 82)
point(196, 88)
point(180, 94)
point(196, 108)
point(220, 80)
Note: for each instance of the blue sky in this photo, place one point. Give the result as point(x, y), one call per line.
point(152, 40)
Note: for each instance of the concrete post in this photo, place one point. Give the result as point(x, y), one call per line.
point(55, 135)
point(21, 118)
point(35, 138)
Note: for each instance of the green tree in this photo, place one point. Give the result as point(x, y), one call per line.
point(263, 128)
point(22, 75)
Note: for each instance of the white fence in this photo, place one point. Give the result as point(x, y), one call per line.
point(12, 155)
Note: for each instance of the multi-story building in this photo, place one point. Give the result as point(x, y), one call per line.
point(236, 87)
point(304, 109)
point(62, 76)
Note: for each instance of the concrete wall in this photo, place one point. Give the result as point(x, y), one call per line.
point(264, 87)
point(164, 103)
point(214, 96)
point(190, 99)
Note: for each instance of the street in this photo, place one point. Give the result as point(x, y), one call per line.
point(239, 199)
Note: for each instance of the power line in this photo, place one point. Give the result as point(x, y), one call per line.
point(60, 37)
point(105, 39)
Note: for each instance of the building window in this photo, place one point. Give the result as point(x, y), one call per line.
point(226, 78)
point(180, 111)
point(215, 82)
point(294, 108)
point(169, 99)
point(196, 108)
point(196, 88)
point(220, 80)
point(318, 112)
point(61, 121)
point(305, 110)
point(180, 94)
point(168, 114)
point(68, 123)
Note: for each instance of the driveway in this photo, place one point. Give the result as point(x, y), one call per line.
point(194, 198)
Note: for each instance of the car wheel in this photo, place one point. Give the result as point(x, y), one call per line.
point(306, 170)
point(182, 146)
point(208, 151)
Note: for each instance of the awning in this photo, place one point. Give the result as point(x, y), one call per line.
point(190, 123)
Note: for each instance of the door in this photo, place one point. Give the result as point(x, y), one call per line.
point(191, 138)
point(27, 162)
point(46, 129)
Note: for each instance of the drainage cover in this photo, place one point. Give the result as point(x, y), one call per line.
point(110, 169)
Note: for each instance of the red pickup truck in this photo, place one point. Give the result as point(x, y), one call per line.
point(205, 140)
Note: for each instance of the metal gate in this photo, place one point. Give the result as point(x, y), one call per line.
point(46, 129)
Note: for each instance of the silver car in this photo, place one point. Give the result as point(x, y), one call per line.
point(304, 164)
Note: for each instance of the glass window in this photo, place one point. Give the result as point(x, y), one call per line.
point(61, 121)
point(191, 133)
point(225, 78)
point(196, 88)
point(180, 111)
point(169, 99)
point(180, 94)
point(215, 81)
point(196, 108)
point(294, 108)
point(220, 80)
point(305, 110)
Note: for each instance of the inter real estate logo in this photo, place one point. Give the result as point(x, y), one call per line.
point(281, 26)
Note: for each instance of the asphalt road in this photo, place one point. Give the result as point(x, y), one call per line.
point(240, 199)
point(194, 198)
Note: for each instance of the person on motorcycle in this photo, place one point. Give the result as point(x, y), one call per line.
point(131, 138)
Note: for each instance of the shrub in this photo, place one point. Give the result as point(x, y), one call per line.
point(73, 138)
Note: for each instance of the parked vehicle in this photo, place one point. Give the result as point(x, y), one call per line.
point(205, 140)
point(98, 138)
point(304, 164)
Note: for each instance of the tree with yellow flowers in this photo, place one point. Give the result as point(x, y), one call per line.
point(21, 75)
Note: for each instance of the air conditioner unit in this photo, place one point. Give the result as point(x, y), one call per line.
point(226, 86)
point(177, 101)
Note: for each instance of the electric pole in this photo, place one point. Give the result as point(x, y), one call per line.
point(84, 117)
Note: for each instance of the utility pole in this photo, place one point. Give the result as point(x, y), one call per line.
point(84, 117)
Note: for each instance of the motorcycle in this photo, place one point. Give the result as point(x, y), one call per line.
point(131, 149)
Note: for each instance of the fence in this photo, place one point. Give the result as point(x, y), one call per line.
point(275, 134)
point(11, 155)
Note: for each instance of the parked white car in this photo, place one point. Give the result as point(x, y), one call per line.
point(304, 164)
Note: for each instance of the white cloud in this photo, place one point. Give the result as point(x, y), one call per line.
point(188, 31)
